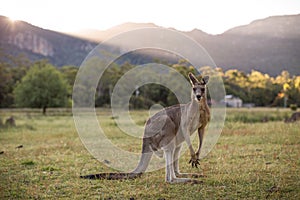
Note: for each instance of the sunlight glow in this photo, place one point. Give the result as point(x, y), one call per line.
point(210, 16)
point(13, 20)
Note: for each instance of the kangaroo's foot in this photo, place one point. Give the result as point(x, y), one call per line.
point(184, 180)
point(189, 175)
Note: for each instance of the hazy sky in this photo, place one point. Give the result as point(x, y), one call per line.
point(211, 16)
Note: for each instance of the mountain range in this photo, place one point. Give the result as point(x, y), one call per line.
point(269, 45)
point(18, 37)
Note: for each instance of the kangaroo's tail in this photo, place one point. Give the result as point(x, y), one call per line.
point(137, 172)
point(112, 176)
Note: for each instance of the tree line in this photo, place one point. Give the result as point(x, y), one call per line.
point(41, 85)
point(35, 84)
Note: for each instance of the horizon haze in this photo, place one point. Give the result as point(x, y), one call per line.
point(212, 17)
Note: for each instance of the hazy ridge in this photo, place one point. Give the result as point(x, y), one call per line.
point(269, 45)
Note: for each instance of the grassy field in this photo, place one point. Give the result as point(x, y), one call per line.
point(252, 160)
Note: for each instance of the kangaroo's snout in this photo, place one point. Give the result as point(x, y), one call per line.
point(198, 96)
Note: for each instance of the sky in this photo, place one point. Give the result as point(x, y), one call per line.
point(211, 16)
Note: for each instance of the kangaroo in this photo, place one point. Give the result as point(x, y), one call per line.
point(295, 117)
point(165, 133)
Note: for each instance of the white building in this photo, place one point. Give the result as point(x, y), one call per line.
point(232, 101)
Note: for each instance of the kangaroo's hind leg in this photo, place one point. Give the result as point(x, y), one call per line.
point(176, 160)
point(170, 173)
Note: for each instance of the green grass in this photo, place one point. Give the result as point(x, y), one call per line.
point(252, 160)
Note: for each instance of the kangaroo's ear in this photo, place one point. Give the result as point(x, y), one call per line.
point(193, 79)
point(205, 79)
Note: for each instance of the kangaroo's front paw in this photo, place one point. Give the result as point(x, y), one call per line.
point(194, 161)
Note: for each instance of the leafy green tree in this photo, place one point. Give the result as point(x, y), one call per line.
point(262, 91)
point(237, 84)
point(69, 73)
point(12, 69)
point(5, 85)
point(292, 90)
point(43, 86)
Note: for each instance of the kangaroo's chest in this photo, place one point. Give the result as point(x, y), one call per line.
point(204, 117)
point(200, 119)
point(194, 123)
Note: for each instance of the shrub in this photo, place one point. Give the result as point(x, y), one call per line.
point(140, 102)
point(293, 107)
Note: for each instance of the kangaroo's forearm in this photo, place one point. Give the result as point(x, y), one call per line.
point(187, 139)
point(200, 136)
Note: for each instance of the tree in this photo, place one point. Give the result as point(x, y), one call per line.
point(43, 86)
point(5, 85)
point(69, 73)
point(12, 69)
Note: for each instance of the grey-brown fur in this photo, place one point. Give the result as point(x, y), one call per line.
point(168, 129)
point(165, 133)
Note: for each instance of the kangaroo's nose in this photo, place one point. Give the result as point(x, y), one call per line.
point(198, 96)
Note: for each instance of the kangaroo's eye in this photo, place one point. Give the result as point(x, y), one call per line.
point(194, 89)
point(202, 89)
